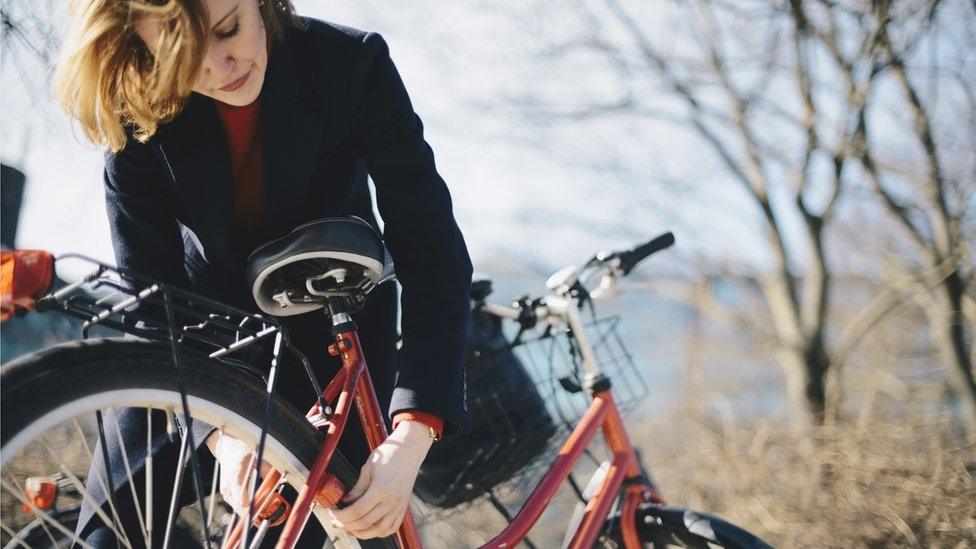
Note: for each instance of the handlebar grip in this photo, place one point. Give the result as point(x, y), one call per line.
point(630, 258)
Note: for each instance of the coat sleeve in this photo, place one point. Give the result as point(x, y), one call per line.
point(145, 233)
point(428, 250)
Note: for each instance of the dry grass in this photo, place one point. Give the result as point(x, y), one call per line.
point(873, 485)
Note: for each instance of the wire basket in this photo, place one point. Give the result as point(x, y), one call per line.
point(521, 412)
point(555, 363)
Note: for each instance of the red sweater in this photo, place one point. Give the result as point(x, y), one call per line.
point(243, 129)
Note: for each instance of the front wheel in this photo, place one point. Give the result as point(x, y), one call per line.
point(659, 526)
point(56, 406)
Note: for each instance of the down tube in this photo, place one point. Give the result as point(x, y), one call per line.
point(560, 469)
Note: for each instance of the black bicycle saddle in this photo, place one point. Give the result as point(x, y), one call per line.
point(331, 257)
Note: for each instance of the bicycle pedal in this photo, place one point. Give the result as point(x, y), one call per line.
point(331, 492)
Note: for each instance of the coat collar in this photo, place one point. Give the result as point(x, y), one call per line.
point(194, 146)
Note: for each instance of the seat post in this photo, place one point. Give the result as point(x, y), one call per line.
point(338, 311)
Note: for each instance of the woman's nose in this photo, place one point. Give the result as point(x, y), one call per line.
point(218, 66)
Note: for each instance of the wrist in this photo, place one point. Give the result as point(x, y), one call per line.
point(413, 432)
point(434, 423)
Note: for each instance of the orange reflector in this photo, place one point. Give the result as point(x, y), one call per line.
point(41, 491)
point(25, 276)
point(331, 492)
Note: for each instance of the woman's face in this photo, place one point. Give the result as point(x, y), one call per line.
point(237, 55)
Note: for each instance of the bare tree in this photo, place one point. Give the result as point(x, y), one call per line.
point(29, 41)
point(785, 95)
point(932, 211)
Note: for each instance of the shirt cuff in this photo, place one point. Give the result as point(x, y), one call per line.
point(429, 420)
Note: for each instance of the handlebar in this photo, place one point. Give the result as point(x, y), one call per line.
point(630, 258)
point(571, 282)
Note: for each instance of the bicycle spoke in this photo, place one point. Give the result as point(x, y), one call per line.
point(12, 534)
point(259, 535)
point(149, 478)
point(14, 489)
point(85, 494)
point(259, 455)
point(101, 482)
point(213, 484)
point(99, 421)
point(128, 474)
point(250, 480)
point(177, 487)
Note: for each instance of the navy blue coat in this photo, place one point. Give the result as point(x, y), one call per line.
point(333, 108)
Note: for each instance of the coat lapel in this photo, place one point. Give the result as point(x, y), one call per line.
point(195, 148)
point(291, 126)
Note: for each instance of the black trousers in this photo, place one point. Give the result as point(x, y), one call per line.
point(311, 334)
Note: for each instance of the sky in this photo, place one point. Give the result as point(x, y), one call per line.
point(528, 194)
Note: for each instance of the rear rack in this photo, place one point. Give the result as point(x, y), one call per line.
point(124, 301)
point(135, 304)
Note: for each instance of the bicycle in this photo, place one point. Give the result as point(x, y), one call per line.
point(308, 476)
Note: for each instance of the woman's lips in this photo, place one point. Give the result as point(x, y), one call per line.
point(236, 84)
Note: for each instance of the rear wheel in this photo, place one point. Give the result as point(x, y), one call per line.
point(53, 404)
point(659, 526)
point(38, 535)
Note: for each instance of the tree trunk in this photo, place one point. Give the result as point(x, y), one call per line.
point(956, 345)
point(806, 377)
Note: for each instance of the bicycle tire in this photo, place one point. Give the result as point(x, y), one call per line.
point(659, 526)
point(82, 371)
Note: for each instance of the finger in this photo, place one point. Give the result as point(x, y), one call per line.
point(389, 525)
point(369, 520)
point(373, 531)
point(382, 528)
point(357, 510)
point(365, 476)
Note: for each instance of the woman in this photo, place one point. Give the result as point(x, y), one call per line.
point(229, 122)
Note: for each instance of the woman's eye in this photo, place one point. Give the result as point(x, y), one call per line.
point(230, 32)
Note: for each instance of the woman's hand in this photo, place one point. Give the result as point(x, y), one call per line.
point(382, 493)
point(236, 466)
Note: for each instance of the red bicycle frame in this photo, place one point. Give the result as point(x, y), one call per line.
point(352, 386)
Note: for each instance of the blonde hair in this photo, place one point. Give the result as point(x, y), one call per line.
point(110, 83)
